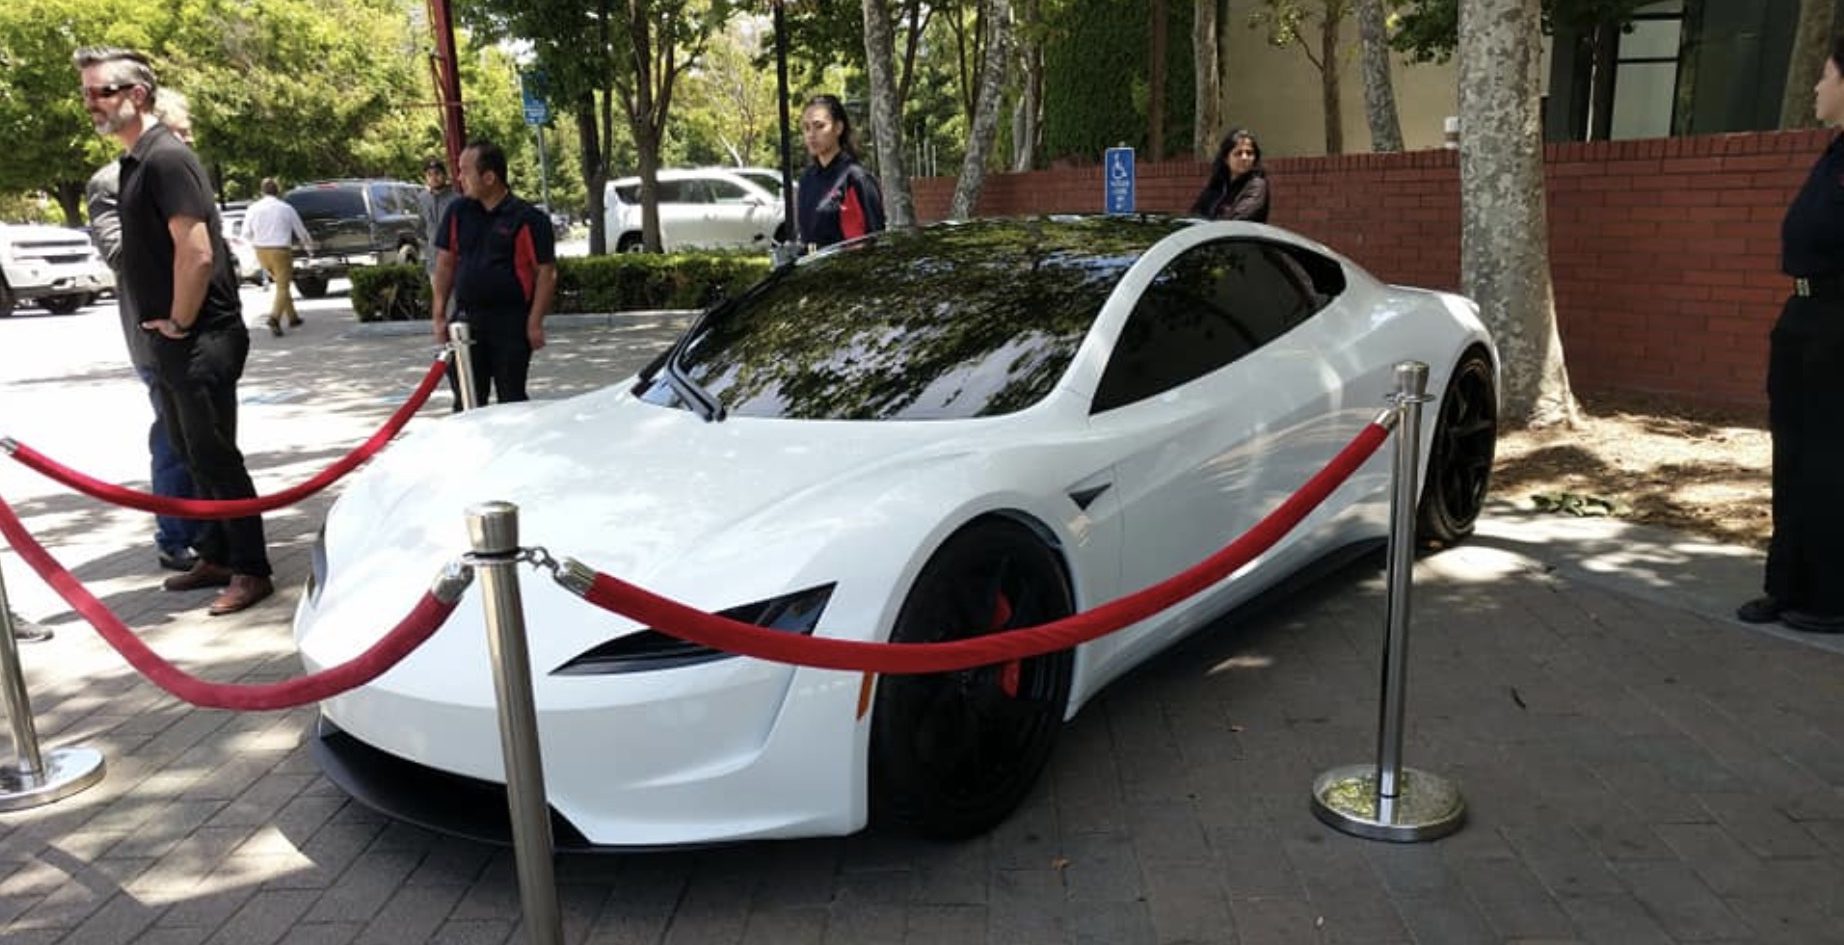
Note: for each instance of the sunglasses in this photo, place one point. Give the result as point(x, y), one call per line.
point(94, 92)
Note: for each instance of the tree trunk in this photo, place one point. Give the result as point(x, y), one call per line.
point(70, 200)
point(1379, 91)
point(986, 112)
point(1030, 90)
point(1807, 63)
point(1155, 91)
point(640, 120)
point(595, 173)
point(1207, 87)
point(886, 115)
point(1504, 233)
point(1329, 99)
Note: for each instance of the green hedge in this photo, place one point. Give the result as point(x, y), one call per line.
point(624, 282)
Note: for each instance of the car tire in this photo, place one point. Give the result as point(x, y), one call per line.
point(7, 300)
point(313, 287)
point(63, 304)
point(953, 754)
point(407, 255)
point(1460, 456)
point(630, 243)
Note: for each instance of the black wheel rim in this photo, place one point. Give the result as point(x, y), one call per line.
point(1464, 441)
point(976, 734)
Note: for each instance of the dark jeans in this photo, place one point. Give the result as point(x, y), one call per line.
point(170, 477)
point(1805, 409)
point(198, 391)
point(501, 357)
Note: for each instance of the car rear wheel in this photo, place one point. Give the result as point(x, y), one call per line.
point(313, 287)
point(952, 754)
point(7, 299)
point(63, 304)
point(407, 255)
point(1460, 459)
point(631, 243)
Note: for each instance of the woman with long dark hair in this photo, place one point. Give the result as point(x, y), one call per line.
point(1238, 187)
point(1805, 393)
point(839, 199)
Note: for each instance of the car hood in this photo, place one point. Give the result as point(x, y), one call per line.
point(714, 514)
point(40, 233)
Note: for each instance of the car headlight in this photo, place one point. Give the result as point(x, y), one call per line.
point(648, 650)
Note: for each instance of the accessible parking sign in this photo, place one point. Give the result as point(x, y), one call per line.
point(1117, 180)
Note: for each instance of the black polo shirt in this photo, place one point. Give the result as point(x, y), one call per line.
point(162, 179)
point(498, 253)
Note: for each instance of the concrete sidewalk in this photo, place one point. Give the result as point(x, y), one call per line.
point(1639, 768)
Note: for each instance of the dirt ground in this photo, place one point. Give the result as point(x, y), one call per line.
point(1647, 460)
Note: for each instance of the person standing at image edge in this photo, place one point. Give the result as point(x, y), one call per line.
point(179, 272)
point(839, 199)
point(1805, 394)
point(497, 255)
point(1238, 185)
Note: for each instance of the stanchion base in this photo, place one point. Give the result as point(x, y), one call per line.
point(1427, 806)
point(67, 771)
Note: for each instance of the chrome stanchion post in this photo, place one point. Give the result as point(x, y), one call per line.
point(36, 777)
point(1388, 801)
point(461, 345)
point(493, 528)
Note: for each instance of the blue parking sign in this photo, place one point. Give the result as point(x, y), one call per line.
point(531, 90)
point(1117, 180)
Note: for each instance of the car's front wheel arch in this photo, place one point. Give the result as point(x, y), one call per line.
point(952, 754)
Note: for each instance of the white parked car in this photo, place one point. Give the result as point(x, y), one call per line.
point(914, 436)
point(702, 208)
point(243, 254)
point(53, 266)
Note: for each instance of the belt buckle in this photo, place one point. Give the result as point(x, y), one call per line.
point(1802, 288)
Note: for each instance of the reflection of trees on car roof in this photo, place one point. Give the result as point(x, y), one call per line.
point(964, 320)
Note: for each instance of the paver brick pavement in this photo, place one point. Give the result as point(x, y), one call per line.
point(1638, 768)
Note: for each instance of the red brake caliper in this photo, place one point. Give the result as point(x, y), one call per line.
point(1010, 672)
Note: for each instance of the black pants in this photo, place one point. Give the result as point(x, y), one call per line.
point(1805, 397)
point(501, 357)
point(196, 380)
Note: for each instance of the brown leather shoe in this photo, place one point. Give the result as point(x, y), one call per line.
point(294, 321)
point(244, 591)
point(203, 574)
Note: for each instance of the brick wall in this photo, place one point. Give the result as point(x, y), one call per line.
point(1665, 252)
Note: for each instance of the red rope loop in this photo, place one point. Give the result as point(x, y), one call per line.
point(423, 620)
point(688, 623)
point(234, 508)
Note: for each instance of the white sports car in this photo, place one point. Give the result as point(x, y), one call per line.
point(915, 436)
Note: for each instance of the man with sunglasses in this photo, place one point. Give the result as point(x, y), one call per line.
point(175, 266)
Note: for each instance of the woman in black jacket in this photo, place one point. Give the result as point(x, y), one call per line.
point(839, 199)
point(1238, 187)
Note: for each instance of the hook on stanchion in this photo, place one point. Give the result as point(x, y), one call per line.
point(36, 777)
point(1387, 801)
point(493, 527)
point(460, 347)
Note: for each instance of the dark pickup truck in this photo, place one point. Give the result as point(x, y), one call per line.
point(355, 223)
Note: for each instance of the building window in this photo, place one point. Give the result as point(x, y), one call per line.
point(1645, 73)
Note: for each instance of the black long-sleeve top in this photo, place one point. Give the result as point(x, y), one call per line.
point(838, 201)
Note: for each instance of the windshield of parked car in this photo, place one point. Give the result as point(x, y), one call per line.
point(327, 203)
point(950, 322)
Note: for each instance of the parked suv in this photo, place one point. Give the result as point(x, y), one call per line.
point(56, 267)
point(355, 223)
point(700, 208)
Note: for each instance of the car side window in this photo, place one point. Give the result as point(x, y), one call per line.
point(1207, 309)
point(723, 191)
point(383, 200)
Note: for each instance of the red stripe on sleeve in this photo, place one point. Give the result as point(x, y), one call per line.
point(851, 214)
point(525, 261)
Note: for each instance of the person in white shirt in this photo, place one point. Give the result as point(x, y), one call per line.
point(271, 226)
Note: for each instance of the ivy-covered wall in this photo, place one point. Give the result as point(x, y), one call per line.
point(1096, 79)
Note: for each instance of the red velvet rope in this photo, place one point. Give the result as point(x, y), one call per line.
point(422, 622)
point(235, 508)
point(688, 623)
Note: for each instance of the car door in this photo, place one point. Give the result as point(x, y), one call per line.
point(681, 214)
point(735, 217)
point(1223, 394)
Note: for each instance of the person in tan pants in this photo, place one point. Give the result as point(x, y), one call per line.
point(271, 225)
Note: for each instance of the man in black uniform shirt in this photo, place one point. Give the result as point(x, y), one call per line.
point(175, 266)
point(1805, 394)
point(496, 252)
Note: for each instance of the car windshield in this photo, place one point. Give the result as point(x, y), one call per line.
point(768, 182)
point(950, 322)
point(327, 203)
